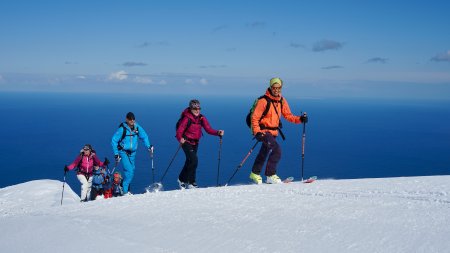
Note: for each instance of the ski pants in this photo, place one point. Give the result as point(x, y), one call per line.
point(189, 171)
point(127, 159)
point(86, 184)
point(269, 148)
point(96, 192)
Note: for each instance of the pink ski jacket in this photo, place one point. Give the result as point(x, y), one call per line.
point(85, 164)
point(193, 132)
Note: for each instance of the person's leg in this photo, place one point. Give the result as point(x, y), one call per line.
point(261, 158)
point(274, 156)
point(84, 186)
point(183, 176)
point(190, 151)
point(192, 168)
point(128, 169)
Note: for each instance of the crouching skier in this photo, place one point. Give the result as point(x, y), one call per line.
point(112, 186)
point(100, 183)
point(124, 144)
point(85, 163)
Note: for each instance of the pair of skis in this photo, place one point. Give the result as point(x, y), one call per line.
point(307, 181)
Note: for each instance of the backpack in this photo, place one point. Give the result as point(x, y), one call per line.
point(124, 134)
point(269, 101)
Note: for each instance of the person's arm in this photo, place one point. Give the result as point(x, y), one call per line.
point(115, 140)
point(144, 137)
point(287, 114)
point(97, 162)
point(74, 163)
point(208, 127)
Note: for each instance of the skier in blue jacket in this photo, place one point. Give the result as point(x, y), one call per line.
point(124, 144)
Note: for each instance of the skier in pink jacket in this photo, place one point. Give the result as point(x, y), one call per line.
point(85, 163)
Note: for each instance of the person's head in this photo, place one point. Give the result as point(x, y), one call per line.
point(87, 149)
point(117, 177)
point(130, 119)
point(194, 106)
point(275, 86)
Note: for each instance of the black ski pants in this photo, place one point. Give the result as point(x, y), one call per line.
point(189, 171)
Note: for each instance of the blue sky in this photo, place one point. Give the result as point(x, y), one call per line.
point(319, 48)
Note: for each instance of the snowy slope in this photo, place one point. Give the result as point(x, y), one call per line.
point(369, 215)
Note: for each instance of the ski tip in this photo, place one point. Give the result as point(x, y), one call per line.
point(288, 180)
point(310, 180)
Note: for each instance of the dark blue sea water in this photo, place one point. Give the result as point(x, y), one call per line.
point(345, 138)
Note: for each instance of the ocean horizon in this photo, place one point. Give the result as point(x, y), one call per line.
point(345, 138)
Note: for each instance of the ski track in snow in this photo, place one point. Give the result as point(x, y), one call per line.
point(362, 215)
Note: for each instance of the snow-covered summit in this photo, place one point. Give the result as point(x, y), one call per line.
point(365, 215)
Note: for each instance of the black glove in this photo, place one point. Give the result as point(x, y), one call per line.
point(106, 162)
point(117, 158)
point(304, 118)
point(65, 168)
point(259, 136)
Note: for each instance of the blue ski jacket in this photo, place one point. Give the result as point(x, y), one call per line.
point(130, 140)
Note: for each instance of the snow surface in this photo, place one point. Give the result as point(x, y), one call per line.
point(364, 215)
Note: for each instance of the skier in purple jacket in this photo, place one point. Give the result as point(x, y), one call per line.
point(189, 132)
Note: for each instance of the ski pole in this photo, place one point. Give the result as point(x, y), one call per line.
point(114, 168)
point(153, 168)
point(173, 158)
point(242, 163)
point(64, 182)
point(218, 164)
point(303, 146)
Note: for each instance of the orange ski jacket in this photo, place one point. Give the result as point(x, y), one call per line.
point(271, 120)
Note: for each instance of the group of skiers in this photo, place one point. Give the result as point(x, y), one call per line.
point(263, 119)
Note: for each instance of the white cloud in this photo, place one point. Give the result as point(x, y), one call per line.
point(143, 80)
point(163, 82)
point(81, 77)
point(442, 57)
point(188, 81)
point(119, 75)
point(1, 79)
point(203, 81)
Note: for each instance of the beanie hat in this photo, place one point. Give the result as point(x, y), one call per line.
point(194, 104)
point(130, 116)
point(276, 80)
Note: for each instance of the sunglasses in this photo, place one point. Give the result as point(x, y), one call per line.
point(196, 109)
point(276, 88)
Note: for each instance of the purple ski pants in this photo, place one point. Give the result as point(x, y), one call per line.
point(270, 148)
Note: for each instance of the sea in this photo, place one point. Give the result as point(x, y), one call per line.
point(345, 138)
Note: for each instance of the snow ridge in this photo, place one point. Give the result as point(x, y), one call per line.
point(363, 215)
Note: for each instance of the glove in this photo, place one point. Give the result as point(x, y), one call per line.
point(106, 162)
point(220, 133)
point(304, 118)
point(117, 158)
point(65, 168)
point(259, 136)
point(151, 149)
